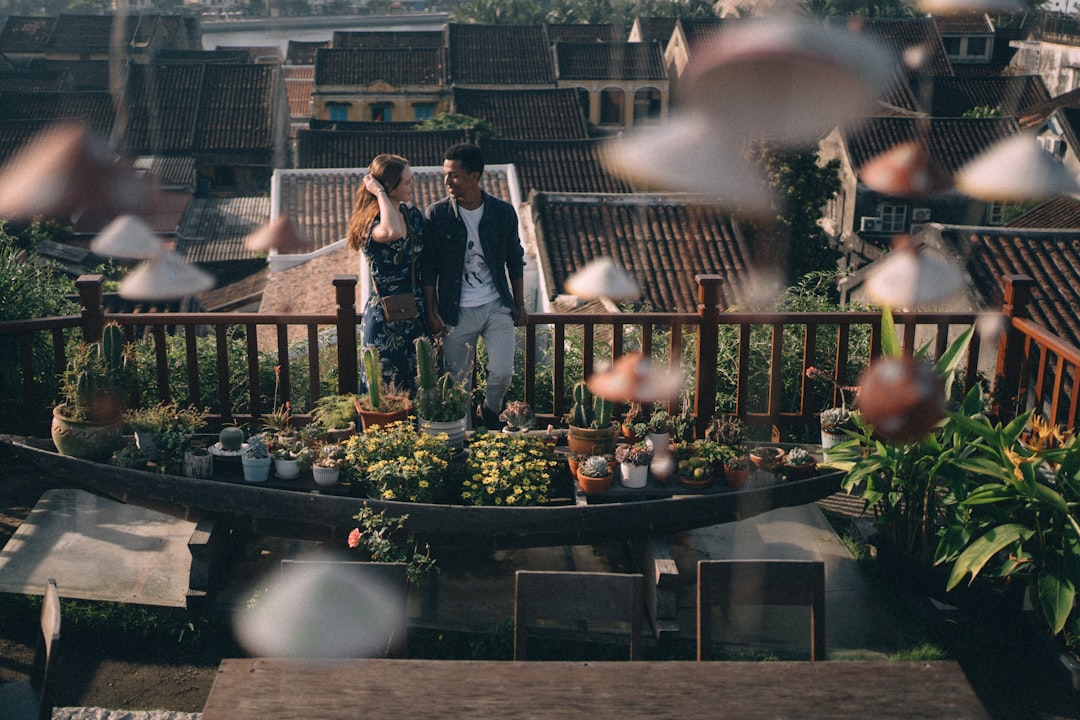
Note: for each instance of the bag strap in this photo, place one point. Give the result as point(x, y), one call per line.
point(412, 261)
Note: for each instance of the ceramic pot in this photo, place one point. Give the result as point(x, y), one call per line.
point(89, 441)
point(767, 457)
point(198, 464)
point(634, 476)
point(592, 441)
point(256, 470)
point(324, 476)
point(799, 472)
point(370, 417)
point(660, 443)
point(594, 485)
point(830, 439)
point(454, 429)
point(736, 478)
point(286, 469)
point(338, 435)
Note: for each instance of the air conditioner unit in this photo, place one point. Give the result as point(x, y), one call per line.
point(869, 224)
point(1051, 145)
point(920, 215)
point(916, 228)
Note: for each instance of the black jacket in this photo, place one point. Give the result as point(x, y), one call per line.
point(443, 260)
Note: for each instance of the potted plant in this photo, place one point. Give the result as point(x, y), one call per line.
point(130, 456)
point(231, 439)
point(383, 403)
point(335, 415)
point(278, 422)
point(398, 462)
point(767, 457)
point(660, 431)
point(736, 471)
point(506, 469)
point(442, 403)
point(550, 439)
point(798, 463)
point(574, 460)
point(518, 416)
point(198, 463)
point(634, 425)
point(834, 420)
point(255, 458)
point(326, 467)
point(170, 429)
point(594, 475)
point(291, 456)
point(634, 464)
point(591, 427)
point(94, 389)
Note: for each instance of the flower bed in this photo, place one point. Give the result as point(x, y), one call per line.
point(507, 469)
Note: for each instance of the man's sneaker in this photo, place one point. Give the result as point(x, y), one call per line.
point(489, 418)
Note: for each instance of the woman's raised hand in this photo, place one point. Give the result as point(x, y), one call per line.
point(372, 185)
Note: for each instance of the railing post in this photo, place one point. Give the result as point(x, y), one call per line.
point(345, 289)
point(1010, 357)
point(708, 345)
point(93, 306)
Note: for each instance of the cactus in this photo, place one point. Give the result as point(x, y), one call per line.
point(373, 373)
point(602, 409)
point(580, 411)
point(425, 363)
point(97, 380)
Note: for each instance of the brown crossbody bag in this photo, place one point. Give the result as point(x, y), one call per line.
point(401, 306)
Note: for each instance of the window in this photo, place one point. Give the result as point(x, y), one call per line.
point(647, 105)
point(994, 212)
point(338, 111)
point(976, 46)
point(382, 112)
point(952, 46)
point(893, 218)
point(611, 107)
point(423, 111)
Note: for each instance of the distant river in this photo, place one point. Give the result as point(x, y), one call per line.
point(279, 31)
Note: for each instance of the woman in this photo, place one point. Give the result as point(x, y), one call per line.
point(390, 232)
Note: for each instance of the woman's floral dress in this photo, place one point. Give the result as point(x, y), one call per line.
point(394, 268)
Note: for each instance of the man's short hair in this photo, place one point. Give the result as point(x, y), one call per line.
point(469, 155)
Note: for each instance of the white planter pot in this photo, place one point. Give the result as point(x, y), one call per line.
point(286, 469)
point(660, 444)
point(634, 476)
point(256, 470)
point(454, 429)
point(830, 439)
point(324, 476)
point(198, 466)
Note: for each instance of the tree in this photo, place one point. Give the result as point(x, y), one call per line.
point(500, 12)
point(802, 187)
point(457, 121)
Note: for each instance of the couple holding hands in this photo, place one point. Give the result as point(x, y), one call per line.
point(453, 272)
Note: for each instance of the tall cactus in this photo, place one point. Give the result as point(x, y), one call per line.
point(602, 409)
point(427, 396)
point(97, 380)
point(373, 374)
point(580, 411)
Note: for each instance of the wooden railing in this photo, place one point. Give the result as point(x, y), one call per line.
point(1033, 367)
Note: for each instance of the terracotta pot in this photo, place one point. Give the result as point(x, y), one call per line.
point(767, 457)
point(593, 485)
point(799, 472)
point(592, 441)
point(736, 478)
point(370, 417)
point(338, 435)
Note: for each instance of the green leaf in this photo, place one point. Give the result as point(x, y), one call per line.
point(1056, 596)
point(950, 360)
point(890, 346)
point(981, 550)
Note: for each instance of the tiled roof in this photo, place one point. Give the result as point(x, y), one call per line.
point(951, 141)
point(306, 288)
point(898, 97)
point(256, 53)
point(396, 66)
point(564, 166)
point(1036, 114)
point(299, 72)
point(202, 56)
point(701, 32)
point(175, 170)
point(972, 24)
point(299, 92)
point(303, 53)
point(33, 80)
point(84, 74)
point(1056, 214)
point(89, 33)
point(236, 295)
point(954, 96)
point(581, 32)
point(213, 229)
point(1051, 258)
point(500, 55)
point(16, 133)
point(362, 126)
point(342, 149)
point(26, 34)
point(93, 108)
point(555, 114)
point(201, 108)
point(902, 34)
point(609, 61)
point(655, 29)
point(388, 39)
point(663, 241)
point(320, 202)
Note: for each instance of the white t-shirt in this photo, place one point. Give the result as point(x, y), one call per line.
point(477, 287)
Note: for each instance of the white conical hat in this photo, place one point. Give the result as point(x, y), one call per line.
point(602, 278)
point(905, 169)
point(1015, 170)
point(279, 234)
point(127, 237)
point(165, 277)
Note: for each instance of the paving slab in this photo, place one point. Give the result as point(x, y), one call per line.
point(98, 549)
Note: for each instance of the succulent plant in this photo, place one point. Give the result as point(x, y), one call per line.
point(594, 466)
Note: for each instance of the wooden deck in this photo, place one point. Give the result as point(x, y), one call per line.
point(255, 689)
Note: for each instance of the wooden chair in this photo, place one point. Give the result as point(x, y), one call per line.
point(760, 582)
point(390, 575)
point(33, 698)
point(599, 597)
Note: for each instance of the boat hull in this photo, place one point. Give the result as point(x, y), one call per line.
point(328, 515)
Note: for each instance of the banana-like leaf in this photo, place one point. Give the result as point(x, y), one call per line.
point(890, 346)
point(981, 550)
point(1055, 595)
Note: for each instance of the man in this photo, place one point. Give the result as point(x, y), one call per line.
point(473, 265)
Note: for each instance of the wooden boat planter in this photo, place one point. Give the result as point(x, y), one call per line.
point(301, 509)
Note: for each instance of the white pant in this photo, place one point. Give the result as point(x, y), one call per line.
point(495, 323)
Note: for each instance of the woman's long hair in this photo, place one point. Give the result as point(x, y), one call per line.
point(387, 169)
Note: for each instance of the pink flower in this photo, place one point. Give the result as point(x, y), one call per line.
point(354, 538)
